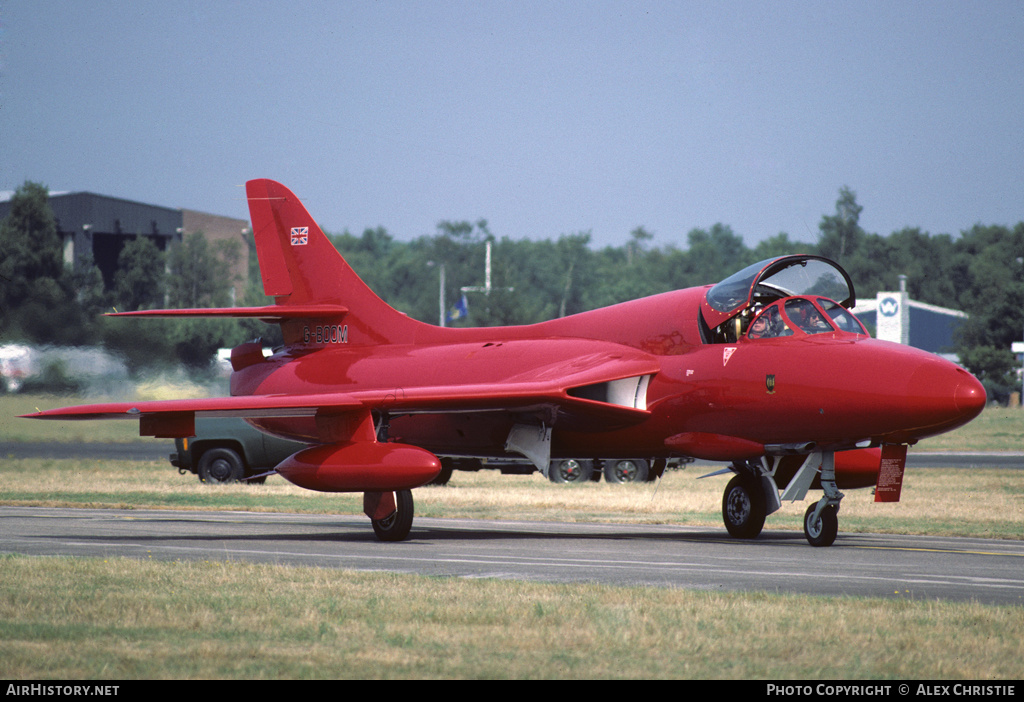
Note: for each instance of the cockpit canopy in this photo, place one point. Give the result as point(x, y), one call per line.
point(729, 306)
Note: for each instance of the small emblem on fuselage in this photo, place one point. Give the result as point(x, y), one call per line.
point(769, 383)
point(727, 353)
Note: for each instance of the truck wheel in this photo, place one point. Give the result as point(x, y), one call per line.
point(570, 471)
point(447, 467)
point(221, 465)
point(631, 470)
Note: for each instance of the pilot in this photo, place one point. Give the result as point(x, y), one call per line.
point(813, 323)
point(806, 316)
point(820, 321)
point(759, 328)
point(769, 325)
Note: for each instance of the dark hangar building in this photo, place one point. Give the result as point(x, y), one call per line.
point(96, 227)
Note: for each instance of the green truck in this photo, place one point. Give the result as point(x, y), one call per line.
point(226, 450)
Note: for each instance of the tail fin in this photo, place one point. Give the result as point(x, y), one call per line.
point(301, 268)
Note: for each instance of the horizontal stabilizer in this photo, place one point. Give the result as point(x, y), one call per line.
point(268, 313)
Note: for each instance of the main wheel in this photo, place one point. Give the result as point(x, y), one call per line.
point(221, 465)
point(629, 470)
point(823, 530)
point(570, 470)
point(396, 526)
point(743, 508)
point(447, 467)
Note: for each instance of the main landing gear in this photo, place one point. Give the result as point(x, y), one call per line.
point(390, 513)
point(743, 506)
point(752, 495)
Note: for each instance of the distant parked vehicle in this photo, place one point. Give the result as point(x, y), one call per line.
point(15, 365)
point(614, 470)
point(571, 470)
point(227, 450)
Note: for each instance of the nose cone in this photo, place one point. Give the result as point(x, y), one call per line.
point(942, 396)
point(970, 397)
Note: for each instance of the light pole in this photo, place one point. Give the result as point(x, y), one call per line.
point(486, 289)
point(440, 293)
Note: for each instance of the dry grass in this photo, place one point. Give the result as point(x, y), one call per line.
point(119, 619)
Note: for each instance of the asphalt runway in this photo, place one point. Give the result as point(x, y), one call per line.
point(698, 558)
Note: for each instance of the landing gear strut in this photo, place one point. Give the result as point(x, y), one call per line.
point(821, 520)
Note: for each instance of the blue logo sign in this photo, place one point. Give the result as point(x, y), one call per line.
point(889, 307)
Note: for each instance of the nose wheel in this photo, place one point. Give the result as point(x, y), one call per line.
point(821, 520)
point(821, 524)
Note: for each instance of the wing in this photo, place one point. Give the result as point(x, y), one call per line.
point(600, 390)
point(168, 419)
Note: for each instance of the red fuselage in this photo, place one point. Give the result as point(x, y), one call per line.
point(708, 400)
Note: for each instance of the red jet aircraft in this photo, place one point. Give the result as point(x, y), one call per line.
point(766, 370)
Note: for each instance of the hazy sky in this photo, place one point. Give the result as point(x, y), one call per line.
point(543, 117)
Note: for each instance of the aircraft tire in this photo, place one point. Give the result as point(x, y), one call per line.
point(396, 527)
point(630, 470)
point(824, 530)
point(743, 508)
point(220, 465)
point(447, 468)
point(570, 470)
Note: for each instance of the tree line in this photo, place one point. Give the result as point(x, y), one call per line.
point(980, 271)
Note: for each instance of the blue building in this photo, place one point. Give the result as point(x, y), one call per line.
point(893, 316)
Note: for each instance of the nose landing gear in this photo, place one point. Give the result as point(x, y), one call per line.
point(752, 495)
point(821, 520)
